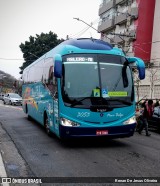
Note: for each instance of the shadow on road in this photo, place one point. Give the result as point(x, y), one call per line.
point(93, 143)
point(84, 142)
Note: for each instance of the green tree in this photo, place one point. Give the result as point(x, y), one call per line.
point(37, 46)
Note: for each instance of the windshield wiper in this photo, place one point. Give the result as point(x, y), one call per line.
point(79, 101)
point(122, 101)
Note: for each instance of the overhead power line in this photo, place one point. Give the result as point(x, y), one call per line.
point(84, 30)
point(80, 32)
point(10, 59)
point(90, 25)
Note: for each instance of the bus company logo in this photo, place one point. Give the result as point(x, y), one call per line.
point(101, 110)
point(119, 115)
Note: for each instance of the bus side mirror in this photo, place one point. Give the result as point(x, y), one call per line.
point(58, 66)
point(140, 65)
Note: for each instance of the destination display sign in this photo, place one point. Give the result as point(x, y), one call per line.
point(92, 57)
point(79, 59)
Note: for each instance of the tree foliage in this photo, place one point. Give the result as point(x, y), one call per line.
point(37, 46)
point(6, 81)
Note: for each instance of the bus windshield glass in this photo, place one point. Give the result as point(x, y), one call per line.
point(96, 79)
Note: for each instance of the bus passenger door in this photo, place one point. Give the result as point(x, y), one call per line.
point(55, 107)
point(56, 116)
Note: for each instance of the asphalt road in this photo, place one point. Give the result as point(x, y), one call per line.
point(28, 151)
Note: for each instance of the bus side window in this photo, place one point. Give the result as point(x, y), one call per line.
point(49, 81)
point(52, 82)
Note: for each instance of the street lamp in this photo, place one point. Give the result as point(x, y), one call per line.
point(86, 24)
point(93, 28)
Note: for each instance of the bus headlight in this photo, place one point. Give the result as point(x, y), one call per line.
point(131, 120)
point(69, 123)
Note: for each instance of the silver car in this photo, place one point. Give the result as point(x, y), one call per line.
point(12, 99)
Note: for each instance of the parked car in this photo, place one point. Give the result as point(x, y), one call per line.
point(12, 99)
point(154, 121)
point(1, 96)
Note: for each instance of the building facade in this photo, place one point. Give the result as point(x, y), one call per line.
point(134, 25)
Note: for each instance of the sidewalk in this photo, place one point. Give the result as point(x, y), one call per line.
point(2, 171)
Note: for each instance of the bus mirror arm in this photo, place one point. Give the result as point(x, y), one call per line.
point(140, 66)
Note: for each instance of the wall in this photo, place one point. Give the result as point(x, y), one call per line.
point(144, 24)
point(155, 52)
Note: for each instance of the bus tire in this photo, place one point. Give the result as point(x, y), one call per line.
point(46, 124)
point(28, 116)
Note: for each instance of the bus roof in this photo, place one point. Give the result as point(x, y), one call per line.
point(89, 43)
point(84, 45)
point(81, 45)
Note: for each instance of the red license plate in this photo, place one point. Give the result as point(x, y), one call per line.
point(101, 132)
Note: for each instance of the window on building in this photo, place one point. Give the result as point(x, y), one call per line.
point(108, 15)
point(143, 90)
point(157, 91)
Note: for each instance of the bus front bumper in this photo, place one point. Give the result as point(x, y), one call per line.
point(110, 132)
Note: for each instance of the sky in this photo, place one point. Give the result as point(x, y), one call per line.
point(20, 19)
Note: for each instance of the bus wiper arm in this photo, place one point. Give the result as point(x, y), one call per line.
point(79, 101)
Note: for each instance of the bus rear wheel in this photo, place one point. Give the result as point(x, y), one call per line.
point(46, 125)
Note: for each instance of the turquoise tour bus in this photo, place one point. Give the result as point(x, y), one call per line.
point(82, 88)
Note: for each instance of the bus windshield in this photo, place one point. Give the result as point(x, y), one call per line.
point(94, 80)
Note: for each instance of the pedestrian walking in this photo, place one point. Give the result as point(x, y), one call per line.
point(147, 113)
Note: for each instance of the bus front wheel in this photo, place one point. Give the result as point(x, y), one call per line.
point(46, 124)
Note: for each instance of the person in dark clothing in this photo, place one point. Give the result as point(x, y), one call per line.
point(147, 113)
point(157, 103)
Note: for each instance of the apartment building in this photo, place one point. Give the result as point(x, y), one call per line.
point(132, 25)
point(155, 50)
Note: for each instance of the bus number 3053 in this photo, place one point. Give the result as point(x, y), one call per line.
point(83, 114)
